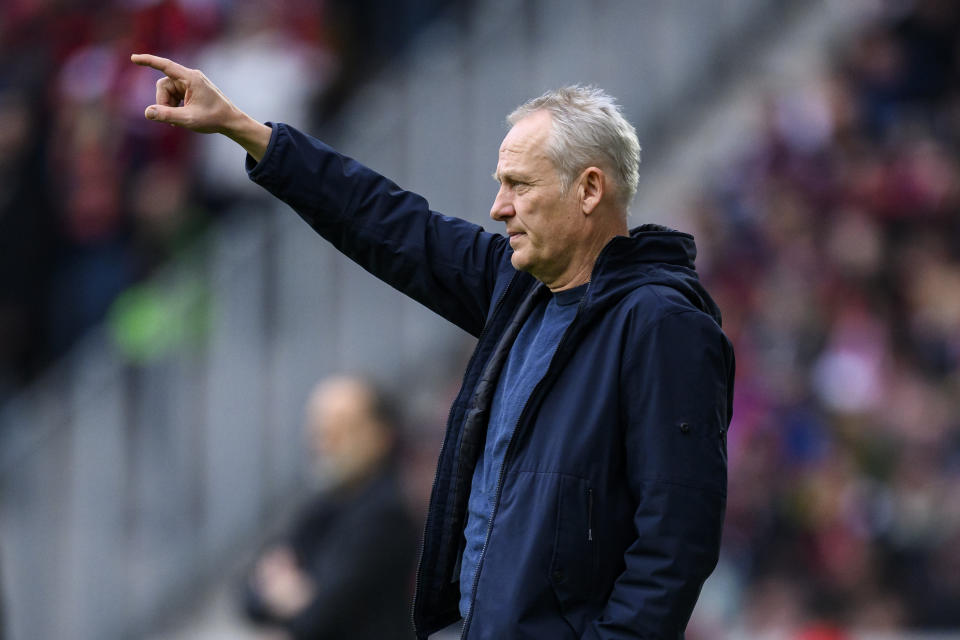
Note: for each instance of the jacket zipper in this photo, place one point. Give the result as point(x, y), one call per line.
point(589, 515)
point(443, 446)
point(506, 460)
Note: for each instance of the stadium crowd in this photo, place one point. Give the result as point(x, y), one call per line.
point(833, 249)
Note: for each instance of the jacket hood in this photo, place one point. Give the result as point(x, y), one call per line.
point(651, 254)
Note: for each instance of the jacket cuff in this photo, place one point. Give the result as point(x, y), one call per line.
point(260, 172)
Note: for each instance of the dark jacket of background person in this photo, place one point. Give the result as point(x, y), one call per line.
point(345, 568)
point(357, 546)
point(613, 489)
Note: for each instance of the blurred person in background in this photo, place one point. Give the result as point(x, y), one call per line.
point(345, 568)
point(581, 488)
point(258, 50)
point(25, 235)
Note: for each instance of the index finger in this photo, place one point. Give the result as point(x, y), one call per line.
point(169, 67)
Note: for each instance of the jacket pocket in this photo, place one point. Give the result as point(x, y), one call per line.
point(573, 566)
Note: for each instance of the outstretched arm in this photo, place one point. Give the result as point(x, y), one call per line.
point(186, 98)
point(447, 264)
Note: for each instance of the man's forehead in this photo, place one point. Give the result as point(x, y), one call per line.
point(524, 146)
point(530, 132)
point(513, 146)
point(521, 163)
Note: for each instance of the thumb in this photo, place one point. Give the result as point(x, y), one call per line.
point(160, 113)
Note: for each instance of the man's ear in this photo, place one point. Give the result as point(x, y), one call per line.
point(592, 184)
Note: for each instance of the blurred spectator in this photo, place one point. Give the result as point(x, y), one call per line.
point(275, 72)
point(25, 234)
point(345, 568)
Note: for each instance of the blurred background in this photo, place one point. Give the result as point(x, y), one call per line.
point(162, 321)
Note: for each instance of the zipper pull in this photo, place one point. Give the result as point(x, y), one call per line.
point(589, 515)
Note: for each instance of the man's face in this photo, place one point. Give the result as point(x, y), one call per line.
point(544, 224)
point(341, 432)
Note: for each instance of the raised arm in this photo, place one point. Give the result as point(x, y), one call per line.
point(451, 266)
point(186, 98)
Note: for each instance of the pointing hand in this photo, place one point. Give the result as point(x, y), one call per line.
point(186, 98)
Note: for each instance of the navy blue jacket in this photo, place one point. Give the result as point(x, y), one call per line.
point(612, 494)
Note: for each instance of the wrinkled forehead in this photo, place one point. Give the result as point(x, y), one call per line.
point(527, 139)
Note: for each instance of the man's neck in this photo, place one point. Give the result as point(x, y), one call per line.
point(582, 269)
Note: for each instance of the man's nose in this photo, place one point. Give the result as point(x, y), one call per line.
point(502, 207)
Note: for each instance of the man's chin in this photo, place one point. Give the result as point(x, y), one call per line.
point(518, 261)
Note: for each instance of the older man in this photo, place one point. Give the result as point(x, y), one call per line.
point(581, 486)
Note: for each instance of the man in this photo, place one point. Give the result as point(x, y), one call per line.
point(581, 485)
point(344, 568)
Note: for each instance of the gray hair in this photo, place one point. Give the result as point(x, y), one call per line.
point(588, 129)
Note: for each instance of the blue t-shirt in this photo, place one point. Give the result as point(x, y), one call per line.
point(526, 365)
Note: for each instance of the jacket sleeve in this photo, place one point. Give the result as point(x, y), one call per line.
point(677, 387)
point(446, 264)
